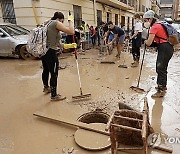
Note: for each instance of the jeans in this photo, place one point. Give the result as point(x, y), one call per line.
point(165, 52)
point(93, 38)
point(50, 65)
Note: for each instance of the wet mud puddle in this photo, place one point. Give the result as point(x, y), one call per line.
point(21, 96)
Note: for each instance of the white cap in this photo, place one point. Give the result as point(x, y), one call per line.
point(149, 14)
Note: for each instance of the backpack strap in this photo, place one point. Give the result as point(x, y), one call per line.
point(161, 37)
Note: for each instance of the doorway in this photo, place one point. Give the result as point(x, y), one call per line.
point(77, 15)
point(8, 13)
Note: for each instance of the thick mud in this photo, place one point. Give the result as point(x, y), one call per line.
point(21, 95)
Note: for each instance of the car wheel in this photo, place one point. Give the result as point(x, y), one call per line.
point(24, 54)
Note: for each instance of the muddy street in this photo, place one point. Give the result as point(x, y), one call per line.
point(21, 96)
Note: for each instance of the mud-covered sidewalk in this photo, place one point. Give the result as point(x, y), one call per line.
point(21, 95)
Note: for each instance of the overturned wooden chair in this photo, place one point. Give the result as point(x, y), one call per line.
point(129, 129)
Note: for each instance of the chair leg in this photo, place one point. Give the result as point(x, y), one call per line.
point(113, 141)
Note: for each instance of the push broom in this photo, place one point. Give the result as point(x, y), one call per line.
point(123, 65)
point(81, 96)
point(137, 88)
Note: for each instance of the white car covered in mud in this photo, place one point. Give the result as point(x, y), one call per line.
point(13, 40)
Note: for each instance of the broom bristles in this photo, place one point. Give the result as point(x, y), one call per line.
point(81, 97)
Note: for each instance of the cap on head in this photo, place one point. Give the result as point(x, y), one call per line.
point(149, 14)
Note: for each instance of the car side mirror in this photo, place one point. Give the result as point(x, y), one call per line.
point(2, 34)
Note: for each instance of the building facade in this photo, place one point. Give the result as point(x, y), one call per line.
point(170, 9)
point(176, 10)
point(166, 9)
point(29, 13)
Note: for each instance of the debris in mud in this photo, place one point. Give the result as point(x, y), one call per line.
point(127, 78)
point(66, 150)
point(132, 98)
point(84, 58)
point(107, 62)
point(124, 106)
point(82, 53)
point(153, 78)
point(123, 97)
point(177, 129)
point(62, 57)
point(62, 67)
point(97, 78)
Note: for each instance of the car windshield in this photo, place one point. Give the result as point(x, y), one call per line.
point(14, 30)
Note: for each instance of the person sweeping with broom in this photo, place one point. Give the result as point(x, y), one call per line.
point(50, 60)
point(158, 34)
point(119, 36)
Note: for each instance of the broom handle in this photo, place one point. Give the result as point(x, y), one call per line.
point(79, 76)
point(141, 66)
point(75, 53)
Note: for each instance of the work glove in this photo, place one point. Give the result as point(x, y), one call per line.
point(68, 46)
point(70, 18)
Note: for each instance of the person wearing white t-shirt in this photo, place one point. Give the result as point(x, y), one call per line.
point(136, 40)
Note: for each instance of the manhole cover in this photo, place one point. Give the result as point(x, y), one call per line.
point(91, 140)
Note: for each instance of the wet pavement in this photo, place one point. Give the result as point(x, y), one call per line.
point(21, 95)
